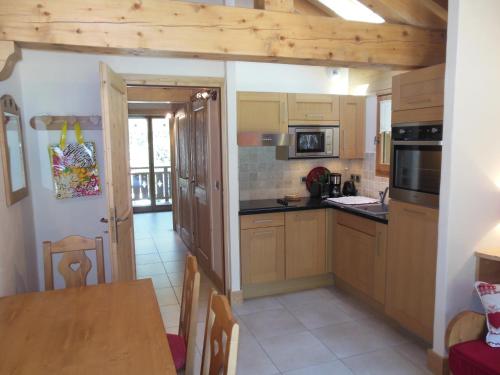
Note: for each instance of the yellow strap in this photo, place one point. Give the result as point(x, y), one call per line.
point(64, 131)
point(78, 133)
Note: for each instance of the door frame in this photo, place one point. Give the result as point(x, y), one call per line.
point(209, 82)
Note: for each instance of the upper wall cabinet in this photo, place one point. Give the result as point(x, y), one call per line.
point(352, 127)
point(312, 107)
point(418, 89)
point(262, 112)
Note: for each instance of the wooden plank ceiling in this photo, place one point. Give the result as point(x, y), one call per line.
point(414, 35)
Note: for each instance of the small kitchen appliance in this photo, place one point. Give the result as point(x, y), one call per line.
point(349, 188)
point(311, 142)
point(335, 185)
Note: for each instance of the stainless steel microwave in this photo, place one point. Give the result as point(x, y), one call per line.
point(311, 142)
point(416, 162)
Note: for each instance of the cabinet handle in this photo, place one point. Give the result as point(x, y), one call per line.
point(414, 212)
point(262, 221)
point(261, 233)
point(314, 115)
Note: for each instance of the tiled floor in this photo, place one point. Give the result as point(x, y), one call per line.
point(321, 331)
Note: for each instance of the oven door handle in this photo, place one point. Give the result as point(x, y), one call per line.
point(417, 143)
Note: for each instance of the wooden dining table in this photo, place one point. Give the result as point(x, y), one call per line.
point(101, 329)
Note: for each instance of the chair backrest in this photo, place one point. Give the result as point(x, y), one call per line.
point(220, 346)
point(74, 265)
point(189, 310)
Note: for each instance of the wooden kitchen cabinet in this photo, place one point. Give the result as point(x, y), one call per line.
point(359, 253)
point(262, 112)
point(418, 89)
point(262, 248)
point(411, 267)
point(304, 108)
point(305, 237)
point(352, 127)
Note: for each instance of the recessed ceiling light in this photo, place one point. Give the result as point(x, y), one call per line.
point(353, 10)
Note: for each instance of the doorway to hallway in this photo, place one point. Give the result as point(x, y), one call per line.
point(150, 164)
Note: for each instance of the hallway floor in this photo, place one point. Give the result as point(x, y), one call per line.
point(320, 331)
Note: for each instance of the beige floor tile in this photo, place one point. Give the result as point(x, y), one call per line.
point(178, 293)
point(174, 267)
point(385, 332)
point(176, 279)
point(416, 353)
point(348, 339)
point(321, 313)
point(382, 362)
point(252, 359)
point(159, 281)
point(171, 256)
point(271, 323)
point(150, 269)
point(305, 297)
point(173, 330)
point(170, 315)
point(355, 309)
point(258, 304)
point(141, 259)
point(144, 245)
point(297, 350)
point(330, 368)
point(166, 296)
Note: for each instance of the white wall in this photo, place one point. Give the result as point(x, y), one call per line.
point(470, 182)
point(18, 271)
point(62, 83)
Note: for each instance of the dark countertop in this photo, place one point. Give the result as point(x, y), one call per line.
point(264, 206)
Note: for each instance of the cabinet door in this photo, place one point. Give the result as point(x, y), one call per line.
point(411, 267)
point(421, 88)
point(262, 255)
point(305, 243)
point(313, 107)
point(262, 112)
point(352, 127)
point(354, 258)
point(379, 266)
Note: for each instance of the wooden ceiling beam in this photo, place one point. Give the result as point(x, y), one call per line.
point(312, 8)
point(159, 94)
point(275, 5)
point(174, 28)
point(420, 13)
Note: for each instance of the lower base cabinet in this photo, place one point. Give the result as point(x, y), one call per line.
point(359, 253)
point(411, 267)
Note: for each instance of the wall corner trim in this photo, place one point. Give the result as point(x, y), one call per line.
point(10, 54)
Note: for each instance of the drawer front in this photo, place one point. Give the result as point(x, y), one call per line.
point(357, 223)
point(275, 219)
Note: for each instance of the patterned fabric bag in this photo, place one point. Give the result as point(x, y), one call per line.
point(74, 166)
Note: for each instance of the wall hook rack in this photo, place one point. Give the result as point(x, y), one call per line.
point(56, 122)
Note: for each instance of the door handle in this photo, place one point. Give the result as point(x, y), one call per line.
point(104, 220)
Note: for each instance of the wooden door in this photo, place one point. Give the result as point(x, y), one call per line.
point(184, 186)
point(417, 89)
point(352, 127)
point(411, 266)
point(262, 255)
point(312, 107)
point(120, 219)
point(305, 233)
point(262, 112)
point(201, 203)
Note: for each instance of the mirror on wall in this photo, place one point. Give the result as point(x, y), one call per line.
point(12, 151)
point(384, 111)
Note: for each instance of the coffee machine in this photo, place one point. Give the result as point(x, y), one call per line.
point(335, 185)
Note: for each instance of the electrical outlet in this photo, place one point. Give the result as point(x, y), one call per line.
point(356, 177)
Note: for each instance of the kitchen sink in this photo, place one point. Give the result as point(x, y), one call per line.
point(374, 208)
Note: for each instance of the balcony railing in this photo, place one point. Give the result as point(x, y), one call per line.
point(141, 190)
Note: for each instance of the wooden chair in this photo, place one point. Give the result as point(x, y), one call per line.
point(220, 345)
point(74, 265)
point(468, 351)
point(183, 345)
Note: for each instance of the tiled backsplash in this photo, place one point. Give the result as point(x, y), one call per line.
point(261, 176)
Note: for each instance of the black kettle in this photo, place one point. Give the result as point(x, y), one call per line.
point(349, 188)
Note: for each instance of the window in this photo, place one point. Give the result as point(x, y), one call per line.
point(384, 111)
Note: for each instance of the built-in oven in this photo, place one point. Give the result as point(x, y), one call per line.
point(416, 162)
point(312, 142)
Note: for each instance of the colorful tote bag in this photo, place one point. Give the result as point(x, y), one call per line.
point(74, 166)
